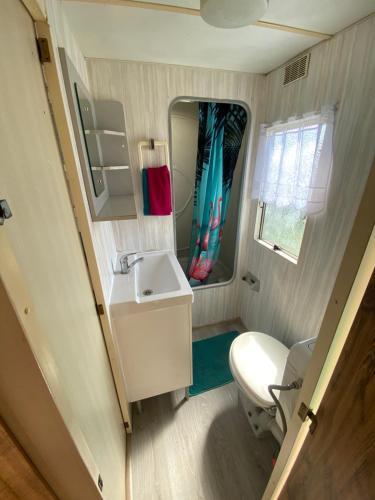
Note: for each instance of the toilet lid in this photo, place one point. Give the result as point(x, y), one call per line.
point(257, 360)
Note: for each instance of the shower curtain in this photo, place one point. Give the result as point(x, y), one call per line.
point(221, 128)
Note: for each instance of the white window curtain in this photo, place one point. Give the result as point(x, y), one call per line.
point(293, 165)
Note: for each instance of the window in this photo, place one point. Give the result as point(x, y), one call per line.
point(291, 179)
point(282, 228)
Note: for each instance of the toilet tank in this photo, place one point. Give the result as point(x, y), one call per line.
point(296, 366)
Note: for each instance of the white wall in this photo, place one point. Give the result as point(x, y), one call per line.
point(293, 298)
point(102, 232)
point(64, 37)
point(184, 130)
point(146, 91)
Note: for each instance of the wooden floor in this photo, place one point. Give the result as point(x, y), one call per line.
point(198, 449)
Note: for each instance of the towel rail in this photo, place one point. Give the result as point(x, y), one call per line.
point(152, 145)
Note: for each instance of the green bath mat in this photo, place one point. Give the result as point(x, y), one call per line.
point(211, 363)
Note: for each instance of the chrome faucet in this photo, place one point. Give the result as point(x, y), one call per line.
point(124, 263)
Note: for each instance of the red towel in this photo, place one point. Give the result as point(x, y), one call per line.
point(159, 190)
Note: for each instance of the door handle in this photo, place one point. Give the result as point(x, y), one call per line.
point(5, 211)
point(305, 413)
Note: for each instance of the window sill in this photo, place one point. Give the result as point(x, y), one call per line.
point(286, 256)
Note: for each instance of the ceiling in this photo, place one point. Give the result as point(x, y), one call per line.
point(128, 33)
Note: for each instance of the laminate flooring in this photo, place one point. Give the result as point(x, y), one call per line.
point(200, 449)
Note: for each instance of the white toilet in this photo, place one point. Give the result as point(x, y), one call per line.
point(258, 360)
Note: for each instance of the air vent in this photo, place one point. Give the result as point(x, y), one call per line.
point(296, 70)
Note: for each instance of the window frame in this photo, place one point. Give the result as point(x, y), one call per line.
point(273, 246)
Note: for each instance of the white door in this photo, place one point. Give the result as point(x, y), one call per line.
point(42, 264)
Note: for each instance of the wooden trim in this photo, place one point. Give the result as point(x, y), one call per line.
point(35, 9)
point(176, 9)
point(339, 300)
point(72, 168)
point(292, 29)
point(128, 469)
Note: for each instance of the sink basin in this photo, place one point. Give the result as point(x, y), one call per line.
point(157, 277)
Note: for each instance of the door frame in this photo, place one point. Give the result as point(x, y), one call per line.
point(65, 136)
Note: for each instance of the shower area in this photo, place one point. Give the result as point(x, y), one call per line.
point(208, 149)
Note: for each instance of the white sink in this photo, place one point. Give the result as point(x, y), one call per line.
point(157, 277)
point(152, 322)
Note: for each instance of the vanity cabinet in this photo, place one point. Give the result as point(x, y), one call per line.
point(155, 345)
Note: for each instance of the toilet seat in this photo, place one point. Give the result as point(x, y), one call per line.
point(256, 361)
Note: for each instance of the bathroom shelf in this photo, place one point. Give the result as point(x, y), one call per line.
point(122, 206)
point(110, 167)
point(104, 132)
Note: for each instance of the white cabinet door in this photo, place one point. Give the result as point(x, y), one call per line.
point(156, 350)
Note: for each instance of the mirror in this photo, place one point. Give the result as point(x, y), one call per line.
point(90, 139)
point(208, 145)
point(99, 129)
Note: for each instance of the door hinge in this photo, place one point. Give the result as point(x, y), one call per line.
point(43, 50)
point(126, 425)
point(100, 309)
point(305, 413)
point(5, 211)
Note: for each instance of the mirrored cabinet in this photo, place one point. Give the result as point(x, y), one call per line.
point(99, 127)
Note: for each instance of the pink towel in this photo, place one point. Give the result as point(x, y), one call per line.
point(159, 190)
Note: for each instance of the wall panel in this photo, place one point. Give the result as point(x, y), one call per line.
point(65, 38)
point(293, 298)
point(146, 91)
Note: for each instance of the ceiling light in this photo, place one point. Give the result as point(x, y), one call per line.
point(232, 13)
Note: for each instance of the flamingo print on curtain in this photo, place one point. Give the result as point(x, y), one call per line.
point(221, 128)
